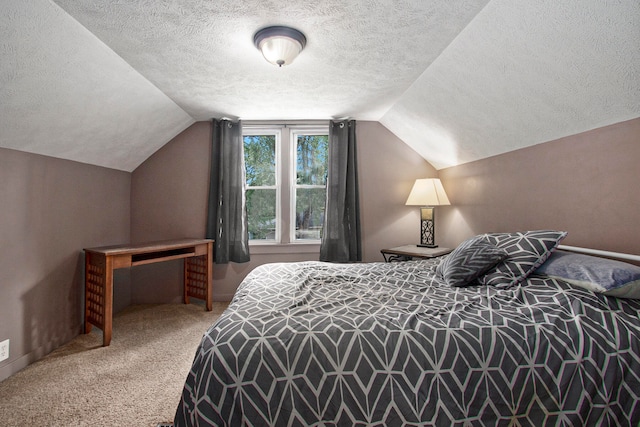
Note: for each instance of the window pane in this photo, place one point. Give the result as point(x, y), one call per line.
point(309, 213)
point(261, 212)
point(311, 163)
point(260, 159)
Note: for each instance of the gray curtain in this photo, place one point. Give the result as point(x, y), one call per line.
point(227, 212)
point(341, 241)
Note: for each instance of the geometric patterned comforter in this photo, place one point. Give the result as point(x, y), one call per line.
point(315, 343)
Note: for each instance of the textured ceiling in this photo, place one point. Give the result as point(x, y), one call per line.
point(522, 73)
point(63, 93)
point(108, 83)
point(360, 55)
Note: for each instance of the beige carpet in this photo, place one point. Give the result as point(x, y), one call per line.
point(136, 381)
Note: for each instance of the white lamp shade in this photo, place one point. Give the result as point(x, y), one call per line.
point(280, 50)
point(427, 192)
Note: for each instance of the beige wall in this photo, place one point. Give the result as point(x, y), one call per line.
point(170, 190)
point(586, 184)
point(50, 210)
point(168, 200)
point(387, 169)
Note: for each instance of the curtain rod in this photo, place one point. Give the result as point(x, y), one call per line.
point(285, 123)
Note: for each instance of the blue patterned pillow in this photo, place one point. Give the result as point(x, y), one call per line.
point(526, 251)
point(614, 278)
point(469, 260)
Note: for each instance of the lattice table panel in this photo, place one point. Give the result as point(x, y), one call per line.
point(95, 291)
point(196, 277)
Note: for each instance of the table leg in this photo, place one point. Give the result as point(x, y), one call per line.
point(198, 276)
point(209, 279)
point(98, 285)
point(108, 303)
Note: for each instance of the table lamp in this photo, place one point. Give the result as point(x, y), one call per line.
point(427, 193)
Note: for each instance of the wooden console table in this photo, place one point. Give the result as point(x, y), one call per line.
point(100, 263)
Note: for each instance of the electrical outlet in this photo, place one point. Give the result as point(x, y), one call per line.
point(4, 350)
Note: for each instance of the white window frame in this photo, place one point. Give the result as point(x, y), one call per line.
point(286, 157)
point(295, 131)
point(251, 131)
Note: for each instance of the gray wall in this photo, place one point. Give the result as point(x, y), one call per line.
point(50, 210)
point(586, 184)
point(169, 193)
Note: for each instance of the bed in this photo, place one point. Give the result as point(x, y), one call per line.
point(506, 330)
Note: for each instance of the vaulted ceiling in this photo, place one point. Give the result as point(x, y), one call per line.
point(110, 82)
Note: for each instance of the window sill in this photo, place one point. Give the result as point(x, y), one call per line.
point(284, 248)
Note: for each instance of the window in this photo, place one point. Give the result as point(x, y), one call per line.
point(310, 185)
point(286, 170)
point(262, 190)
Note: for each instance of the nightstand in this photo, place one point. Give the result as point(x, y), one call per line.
point(409, 252)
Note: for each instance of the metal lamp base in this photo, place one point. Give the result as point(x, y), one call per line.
point(427, 228)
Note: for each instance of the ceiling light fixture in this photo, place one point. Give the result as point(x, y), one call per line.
point(280, 45)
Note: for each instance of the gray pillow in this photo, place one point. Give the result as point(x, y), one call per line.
point(469, 260)
point(526, 252)
point(614, 278)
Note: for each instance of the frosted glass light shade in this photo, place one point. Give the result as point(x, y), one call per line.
point(280, 45)
point(427, 192)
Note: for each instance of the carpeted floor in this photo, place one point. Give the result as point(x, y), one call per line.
point(136, 381)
